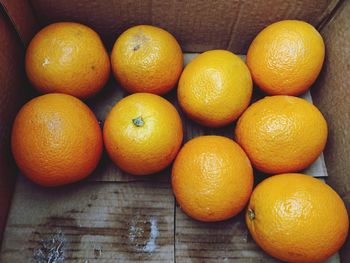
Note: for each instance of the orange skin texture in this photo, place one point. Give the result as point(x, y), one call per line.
point(297, 218)
point(215, 88)
point(67, 58)
point(286, 57)
point(146, 149)
point(56, 140)
point(147, 59)
point(212, 178)
point(282, 134)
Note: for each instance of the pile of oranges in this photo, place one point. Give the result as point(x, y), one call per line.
point(56, 139)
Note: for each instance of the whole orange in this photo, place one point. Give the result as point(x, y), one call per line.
point(56, 140)
point(282, 134)
point(212, 178)
point(147, 59)
point(215, 88)
point(297, 218)
point(143, 133)
point(67, 58)
point(286, 57)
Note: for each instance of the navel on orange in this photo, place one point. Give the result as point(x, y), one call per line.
point(282, 134)
point(143, 133)
point(56, 140)
point(147, 59)
point(286, 57)
point(212, 178)
point(215, 88)
point(297, 218)
point(67, 58)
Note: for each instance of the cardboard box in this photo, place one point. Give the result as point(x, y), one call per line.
point(114, 217)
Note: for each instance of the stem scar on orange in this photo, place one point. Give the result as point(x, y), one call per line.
point(297, 218)
point(143, 133)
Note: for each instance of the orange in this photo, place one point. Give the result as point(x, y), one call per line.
point(297, 218)
point(282, 134)
point(212, 178)
point(56, 140)
point(143, 133)
point(147, 59)
point(286, 57)
point(67, 58)
point(215, 88)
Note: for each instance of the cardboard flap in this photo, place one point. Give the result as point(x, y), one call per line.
point(22, 18)
point(332, 95)
point(12, 89)
point(198, 25)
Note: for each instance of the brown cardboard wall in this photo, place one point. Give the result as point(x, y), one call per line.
point(198, 25)
point(332, 96)
point(22, 18)
point(12, 96)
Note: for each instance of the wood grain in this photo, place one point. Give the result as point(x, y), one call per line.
point(97, 222)
point(227, 241)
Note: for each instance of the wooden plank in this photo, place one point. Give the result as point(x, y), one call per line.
point(227, 241)
point(91, 222)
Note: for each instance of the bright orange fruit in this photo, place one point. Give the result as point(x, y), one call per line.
point(147, 59)
point(212, 178)
point(143, 133)
point(282, 134)
point(297, 218)
point(215, 88)
point(286, 57)
point(56, 140)
point(67, 58)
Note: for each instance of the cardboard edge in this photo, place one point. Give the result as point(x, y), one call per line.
point(22, 18)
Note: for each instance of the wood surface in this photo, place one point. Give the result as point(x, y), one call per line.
point(115, 217)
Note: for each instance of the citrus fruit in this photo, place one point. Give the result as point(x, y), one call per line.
point(282, 134)
point(297, 218)
point(286, 57)
point(215, 88)
point(67, 58)
point(147, 59)
point(143, 133)
point(212, 178)
point(56, 140)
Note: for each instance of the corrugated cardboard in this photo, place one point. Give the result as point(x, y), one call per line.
point(22, 17)
point(113, 216)
point(12, 97)
point(218, 24)
point(332, 96)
